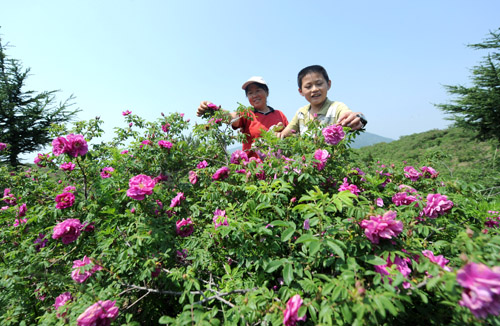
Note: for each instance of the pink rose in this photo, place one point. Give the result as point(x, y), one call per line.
point(100, 313)
point(77, 145)
point(481, 292)
point(165, 144)
point(290, 315)
point(22, 210)
point(61, 301)
point(106, 172)
point(333, 134)
point(68, 166)
point(177, 199)
point(65, 200)
point(221, 173)
point(124, 113)
point(437, 204)
point(238, 156)
point(193, 177)
point(203, 164)
point(184, 228)
point(59, 146)
point(412, 173)
point(80, 274)
point(220, 218)
point(139, 186)
point(165, 127)
point(3, 146)
point(440, 260)
point(68, 230)
point(429, 172)
point(382, 227)
point(322, 156)
point(352, 188)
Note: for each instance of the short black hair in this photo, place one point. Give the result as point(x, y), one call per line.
point(307, 70)
point(259, 85)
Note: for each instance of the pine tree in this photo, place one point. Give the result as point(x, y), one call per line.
point(25, 116)
point(478, 107)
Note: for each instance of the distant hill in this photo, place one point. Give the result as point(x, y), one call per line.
point(453, 152)
point(367, 139)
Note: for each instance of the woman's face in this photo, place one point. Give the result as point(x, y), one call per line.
point(257, 97)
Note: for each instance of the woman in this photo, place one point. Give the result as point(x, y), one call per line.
point(263, 117)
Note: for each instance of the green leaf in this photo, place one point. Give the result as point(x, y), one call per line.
point(279, 223)
point(287, 234)
point(306, 238)
point(375, 260)
point(274, 265)
point(288, 274)
point(336, 249)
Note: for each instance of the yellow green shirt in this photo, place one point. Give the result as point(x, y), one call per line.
point(302, 117)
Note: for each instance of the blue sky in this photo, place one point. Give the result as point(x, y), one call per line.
point(387, 59)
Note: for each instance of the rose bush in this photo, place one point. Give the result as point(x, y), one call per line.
point(305, 234)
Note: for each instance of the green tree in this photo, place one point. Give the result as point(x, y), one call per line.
point(478, 107)
point(25, 116)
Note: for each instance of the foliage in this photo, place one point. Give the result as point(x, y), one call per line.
point(478, 107)
point(452, 151)
point(25, 117)
point(281, 229)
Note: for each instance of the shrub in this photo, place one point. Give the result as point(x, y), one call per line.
point(184, 233)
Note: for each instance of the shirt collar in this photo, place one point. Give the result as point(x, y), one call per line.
point(271, 110)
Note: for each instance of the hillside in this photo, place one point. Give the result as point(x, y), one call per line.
point(452, 152)
point(367, 139)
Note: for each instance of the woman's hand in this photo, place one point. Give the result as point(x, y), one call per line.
point(203, 108)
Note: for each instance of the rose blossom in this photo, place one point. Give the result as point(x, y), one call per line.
point(165, 127)
point(106, 172)
point(481, 289)
point(100, 313)
point(139, 186)
point(322, 156)
point(77, 145)
point(40, 242)
point(239, 156)
point(203, 164)
point(41, 160)
point(68, 230)
point(61, 301)
point(440, 260)
point(333, 134)
point(221, 173)
point(429, 172)
point(402, 198)
point(124, 113)
point(401, 265)
point(290, 317)
point(352, 188)
point(68, 166)
point(177, 199)
point(165, 144)
point(20, 221)
point(379, 202)
point(382, 227)
point(412, 173)
point(65, 200)
point(3, 146)
point(220, 218)
point(22, 210)
point(80, 274)
point(437, 204)
point(193, 177)
point(59, 146)
point(184, 228)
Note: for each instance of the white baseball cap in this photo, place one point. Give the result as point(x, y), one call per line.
point(254, 79)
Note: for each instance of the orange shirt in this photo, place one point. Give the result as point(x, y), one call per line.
point(253, 128)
